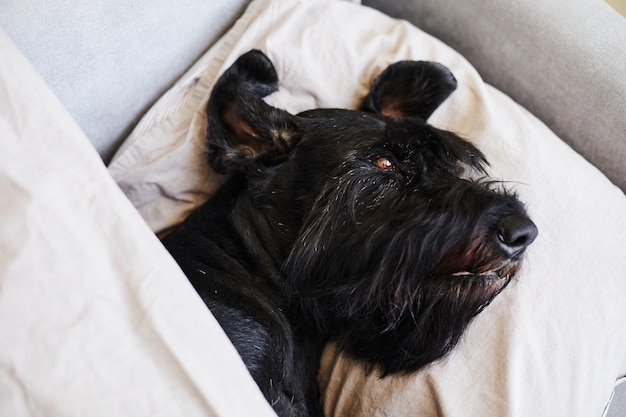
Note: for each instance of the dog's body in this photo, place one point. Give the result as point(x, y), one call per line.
point(352, 226)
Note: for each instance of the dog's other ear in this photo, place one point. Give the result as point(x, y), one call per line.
point(242, 127)
point(410, 88)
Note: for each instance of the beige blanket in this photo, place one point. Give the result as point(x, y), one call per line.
point(96, 319)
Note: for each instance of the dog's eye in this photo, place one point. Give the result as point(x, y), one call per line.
point(384, 163)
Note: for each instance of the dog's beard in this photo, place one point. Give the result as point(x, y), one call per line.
point(380, 273)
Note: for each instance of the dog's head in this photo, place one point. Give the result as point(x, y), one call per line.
point(387, 247)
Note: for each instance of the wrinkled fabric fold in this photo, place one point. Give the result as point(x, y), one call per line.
point(95, 317)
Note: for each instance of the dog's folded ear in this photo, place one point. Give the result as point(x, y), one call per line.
point(242, 127)
point(410, 88)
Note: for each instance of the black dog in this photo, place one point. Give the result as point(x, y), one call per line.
point(351, 226)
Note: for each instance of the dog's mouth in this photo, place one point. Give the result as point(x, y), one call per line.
point(496, 278)
point(481, 271)
point(479, 288)
point(489, 276)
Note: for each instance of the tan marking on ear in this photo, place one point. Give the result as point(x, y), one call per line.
point(282, 138)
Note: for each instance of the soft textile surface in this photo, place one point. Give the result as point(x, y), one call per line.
point(95, 318)
point(553, 343)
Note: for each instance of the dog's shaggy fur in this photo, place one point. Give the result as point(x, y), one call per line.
point(353, 226)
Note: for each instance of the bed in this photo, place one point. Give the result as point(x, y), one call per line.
point(97, 319)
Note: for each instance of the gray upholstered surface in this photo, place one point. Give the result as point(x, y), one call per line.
point(618, 405)
point(109, 60)
point(564, 60)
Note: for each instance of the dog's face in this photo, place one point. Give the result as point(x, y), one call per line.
point(388, 246)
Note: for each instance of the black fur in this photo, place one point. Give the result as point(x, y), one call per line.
point(353, 226)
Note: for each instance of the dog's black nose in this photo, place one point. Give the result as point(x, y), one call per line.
point(515, 233)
